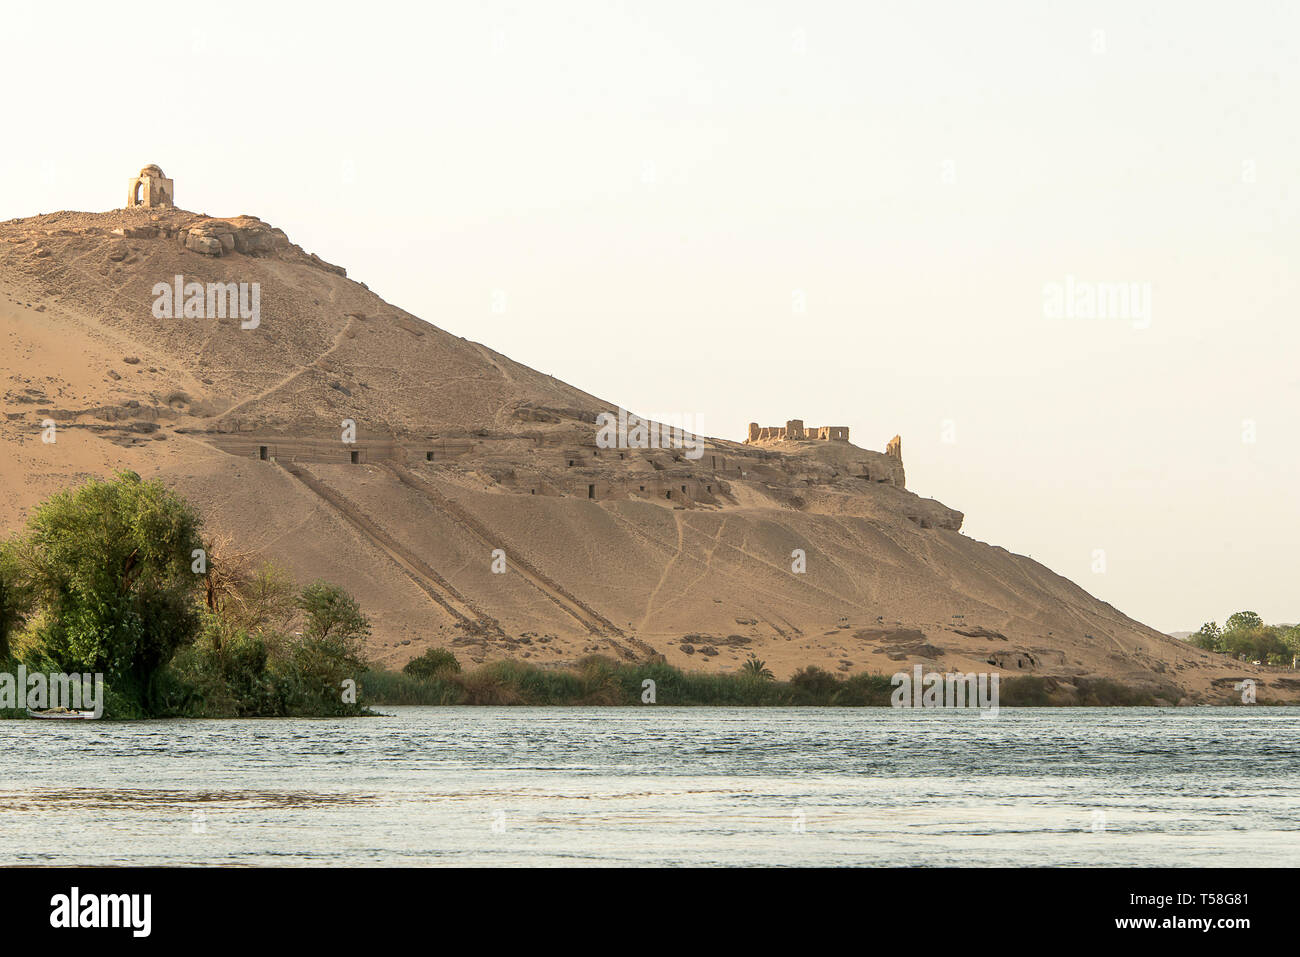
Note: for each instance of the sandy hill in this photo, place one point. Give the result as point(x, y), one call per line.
point(460, 452)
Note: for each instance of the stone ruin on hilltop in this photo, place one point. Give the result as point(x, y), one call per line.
point(795, 430)
point(151, 189)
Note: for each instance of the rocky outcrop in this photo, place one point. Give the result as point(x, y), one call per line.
point(209, 244)
point(928, 513)
point(246, 235)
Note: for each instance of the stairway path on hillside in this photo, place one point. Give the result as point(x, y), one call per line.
point(584, 614)
point(428, 580)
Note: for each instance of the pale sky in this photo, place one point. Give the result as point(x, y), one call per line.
point(653, 188)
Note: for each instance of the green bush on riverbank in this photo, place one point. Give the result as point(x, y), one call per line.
point(115, 578)
point(602, 681)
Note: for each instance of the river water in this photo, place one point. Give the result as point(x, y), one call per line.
point(661, 786)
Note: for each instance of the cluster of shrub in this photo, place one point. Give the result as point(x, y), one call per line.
point(1245, 636)
point(436, 678)
point(116, 578)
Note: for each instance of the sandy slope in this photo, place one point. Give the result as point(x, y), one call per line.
point(704, 578)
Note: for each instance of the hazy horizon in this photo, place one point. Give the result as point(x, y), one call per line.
point(757, 212)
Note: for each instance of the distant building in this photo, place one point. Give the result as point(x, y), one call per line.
point(150, 188)
point(794, 430)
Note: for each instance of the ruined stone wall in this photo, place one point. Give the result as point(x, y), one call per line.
point(795, 431)
point(150, 189)
point(307, 450)
point(324, 449)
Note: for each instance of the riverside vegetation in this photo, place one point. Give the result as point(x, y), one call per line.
point(436, 678)
point(116, 578)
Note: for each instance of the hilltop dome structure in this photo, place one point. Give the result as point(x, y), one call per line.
point(151, 189)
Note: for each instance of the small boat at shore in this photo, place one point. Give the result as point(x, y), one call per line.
point(61, 714)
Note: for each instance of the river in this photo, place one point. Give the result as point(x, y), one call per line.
point(661, 786)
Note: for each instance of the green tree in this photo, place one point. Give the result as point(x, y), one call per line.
point(434, 662)
point(1243, 621)
point(332, 614)
point(109, 564)
point(813, 685)
point(1257, 644)
point(1291, 638)
point(1209, 638)
point(755, 668)
point(16, 598)
point(329, 651)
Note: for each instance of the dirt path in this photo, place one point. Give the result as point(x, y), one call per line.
point(339, 339)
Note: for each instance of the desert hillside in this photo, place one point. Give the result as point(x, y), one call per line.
point(460, 458)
